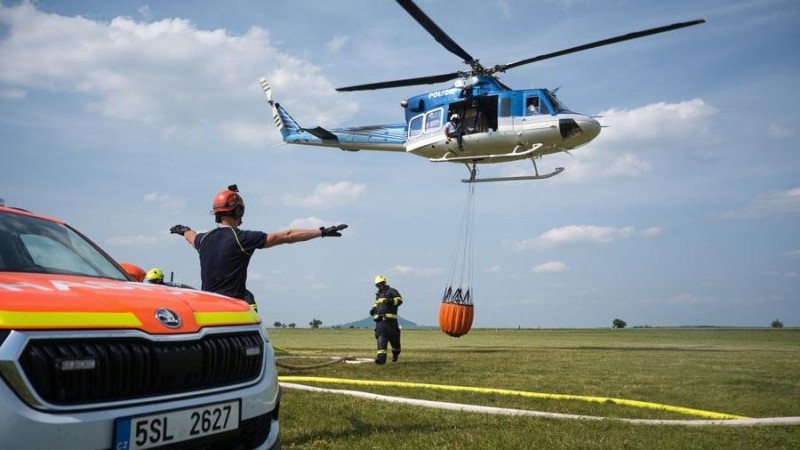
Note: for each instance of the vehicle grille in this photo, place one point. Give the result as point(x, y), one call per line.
point(131, 368)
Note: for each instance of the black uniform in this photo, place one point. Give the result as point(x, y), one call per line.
point(384, 313)
point(224, 256)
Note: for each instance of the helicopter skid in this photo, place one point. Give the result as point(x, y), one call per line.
point(516, 154)
point(473, 172)
point(526, 177)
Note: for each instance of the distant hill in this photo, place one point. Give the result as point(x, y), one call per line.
point(367, 322)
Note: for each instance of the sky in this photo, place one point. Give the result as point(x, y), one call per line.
point(124, 118)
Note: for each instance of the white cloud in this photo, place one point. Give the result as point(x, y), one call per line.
point(656, 122)
point(632, 138)
point(493, 269)
point(253, 134)
point(336, 43)
point(573, 234)
point(327, 195)
point(651, 232)
point(164, 201)
point(145, 12)
point(767, 204)
point(166, 73)
point(308, 222)
point(793, 253)
point(417, 271)
point(551, 267)
point(628, 165)
point(780, 132)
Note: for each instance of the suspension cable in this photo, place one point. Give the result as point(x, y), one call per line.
point(463, 255)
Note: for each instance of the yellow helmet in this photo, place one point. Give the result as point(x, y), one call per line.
point(154, 275)
point(380, 279)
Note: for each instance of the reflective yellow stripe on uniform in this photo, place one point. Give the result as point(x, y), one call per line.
point(29, 319)
point(224, 318)
point(390, 316)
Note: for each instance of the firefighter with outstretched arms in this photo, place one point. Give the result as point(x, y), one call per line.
point(225, 251)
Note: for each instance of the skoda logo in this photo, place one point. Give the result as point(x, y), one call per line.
point(168, 318)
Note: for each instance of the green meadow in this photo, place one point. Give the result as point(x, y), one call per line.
point(753, 373)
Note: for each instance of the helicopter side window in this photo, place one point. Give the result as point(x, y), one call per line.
point(505, 107)
point(433, 120)
point(415, 126)
point(533, 107)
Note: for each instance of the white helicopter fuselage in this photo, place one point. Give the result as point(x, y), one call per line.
point(511, 140)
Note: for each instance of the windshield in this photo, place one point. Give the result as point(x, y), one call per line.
point(557, 105)
point(34, 245)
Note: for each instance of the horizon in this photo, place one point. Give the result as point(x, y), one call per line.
point(125, 118)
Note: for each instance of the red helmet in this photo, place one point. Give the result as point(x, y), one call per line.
point(228, 203)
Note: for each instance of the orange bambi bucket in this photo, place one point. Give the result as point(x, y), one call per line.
point(455, 319)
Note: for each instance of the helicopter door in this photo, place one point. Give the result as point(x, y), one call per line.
point(425, 129)
point(478, 115)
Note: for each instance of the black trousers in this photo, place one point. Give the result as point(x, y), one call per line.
point(387, 332)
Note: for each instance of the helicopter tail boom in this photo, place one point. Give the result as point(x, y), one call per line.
point(391, 137)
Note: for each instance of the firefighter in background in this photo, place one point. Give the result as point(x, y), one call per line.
point(154, 276)
point(384, 313)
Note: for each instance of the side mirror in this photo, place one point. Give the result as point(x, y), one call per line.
point(136, 272)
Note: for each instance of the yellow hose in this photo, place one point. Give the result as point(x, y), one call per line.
point(616, 401)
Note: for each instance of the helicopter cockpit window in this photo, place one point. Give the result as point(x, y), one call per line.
point(415, 126)
point(433, 120)
point(557, 105)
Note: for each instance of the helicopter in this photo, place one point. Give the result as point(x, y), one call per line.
point(498, 124)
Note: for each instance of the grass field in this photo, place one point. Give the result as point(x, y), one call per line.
point(745, 372)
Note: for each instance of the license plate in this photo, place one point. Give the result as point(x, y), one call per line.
point(134, 433)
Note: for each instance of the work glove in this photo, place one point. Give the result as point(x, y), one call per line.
point(332, 231)
point(179, 229)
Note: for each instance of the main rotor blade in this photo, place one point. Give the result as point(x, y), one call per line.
point(614, 40)
point(399, 83)
point(435, 31)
